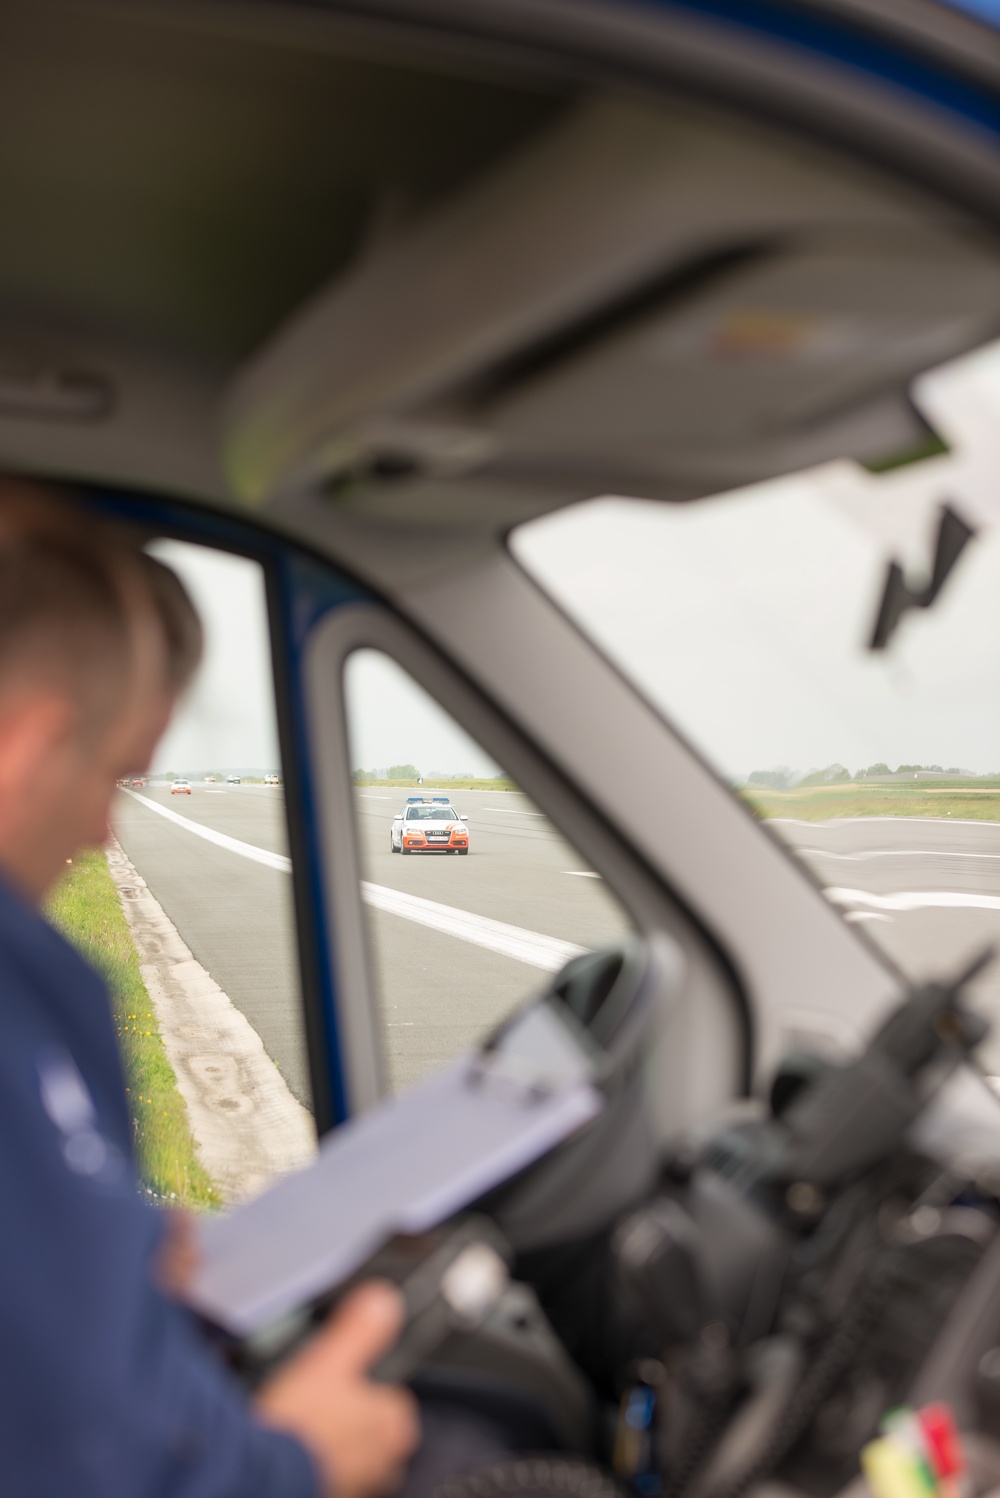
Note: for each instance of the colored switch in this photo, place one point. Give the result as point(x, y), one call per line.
point(941, 1442)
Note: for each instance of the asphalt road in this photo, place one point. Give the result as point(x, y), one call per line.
point(926, 891)
point(235, 915)
point(440, 991)
point(440, 994)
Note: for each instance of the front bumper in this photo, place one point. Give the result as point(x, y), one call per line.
point(421, 845)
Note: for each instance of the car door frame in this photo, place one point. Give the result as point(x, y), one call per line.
point(318, 615)
point(718, 1037)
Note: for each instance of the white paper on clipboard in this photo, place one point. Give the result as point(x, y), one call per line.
point(405, 1166)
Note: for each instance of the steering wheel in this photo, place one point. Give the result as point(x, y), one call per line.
point(612, 998)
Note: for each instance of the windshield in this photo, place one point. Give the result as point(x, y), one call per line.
point(431, 814)
point(830, 642)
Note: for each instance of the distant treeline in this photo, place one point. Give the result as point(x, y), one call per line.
point(409, 776)
point(783, 779)
point(251, 775)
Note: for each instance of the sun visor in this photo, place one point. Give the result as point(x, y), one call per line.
point(427, 355)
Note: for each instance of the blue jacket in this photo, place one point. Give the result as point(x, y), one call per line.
point(106, 1388)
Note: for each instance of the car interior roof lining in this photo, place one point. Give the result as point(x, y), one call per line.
point(105, 271)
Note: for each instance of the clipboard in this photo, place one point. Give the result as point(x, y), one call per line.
point(404, 1167)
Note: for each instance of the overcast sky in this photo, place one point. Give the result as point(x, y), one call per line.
point(745, 618)
point(393, 721)
point(227, 721)
point(745, 621)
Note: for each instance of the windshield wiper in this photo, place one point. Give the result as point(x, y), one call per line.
point(898, 597)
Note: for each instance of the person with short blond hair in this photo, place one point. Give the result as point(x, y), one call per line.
point(107, 1387)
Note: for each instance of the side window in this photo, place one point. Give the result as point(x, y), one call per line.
point(188, 911)
point(473, 898)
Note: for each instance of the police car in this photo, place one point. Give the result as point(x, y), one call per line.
point(429, 824)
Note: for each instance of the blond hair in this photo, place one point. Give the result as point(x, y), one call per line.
point(75, 594)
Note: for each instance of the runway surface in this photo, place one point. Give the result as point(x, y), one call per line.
point(926, 891)
point(458, 942)
point(234, 914)
point(441, 994)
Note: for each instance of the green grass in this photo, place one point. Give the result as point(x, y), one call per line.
point(979, 802)
point(928, 446)
point(85, 907)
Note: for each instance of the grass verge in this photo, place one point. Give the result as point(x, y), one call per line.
point(824, 803)
point(85, 907)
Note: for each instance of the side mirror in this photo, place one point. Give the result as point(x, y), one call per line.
point(463, 819)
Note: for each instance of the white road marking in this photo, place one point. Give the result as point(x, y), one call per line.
point(895, 853)
point(581, 873)
point(535, 949)
point(513, 812)
point(221, 839)
point(941, 899)
point(852, 821)
point(530, 947)
point(865, 915)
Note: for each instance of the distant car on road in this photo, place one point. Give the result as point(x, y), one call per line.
point(138, 780)
point(181, 788)
point(272, 779)
point(233, 780)
point(211, 779)
point(429, 824)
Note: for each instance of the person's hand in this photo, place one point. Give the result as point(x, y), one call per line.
point(177, 1257)
point(359, 1433)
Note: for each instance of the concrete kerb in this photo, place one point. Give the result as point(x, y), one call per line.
point(246, 1123)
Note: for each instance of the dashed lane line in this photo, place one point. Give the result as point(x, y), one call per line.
point(533, 948)
point(893, 853)
point(512, 811)
point(904, 900)
point(833, 823)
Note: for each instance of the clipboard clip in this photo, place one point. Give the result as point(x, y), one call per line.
point(538, 1053)
point(514, 1077)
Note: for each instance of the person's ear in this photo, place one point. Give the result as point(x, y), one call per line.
point(34, 728)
